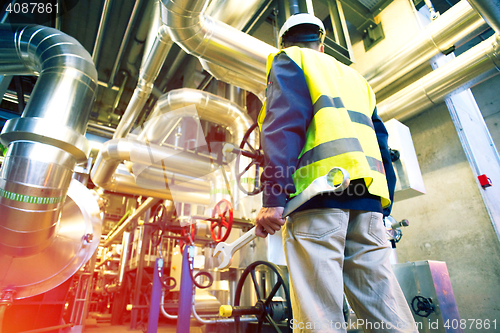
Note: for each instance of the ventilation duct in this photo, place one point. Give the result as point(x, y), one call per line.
point(44, 145)
point(452, 29)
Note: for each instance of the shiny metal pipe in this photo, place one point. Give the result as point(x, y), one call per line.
point(47, 141)
point(128, 31)
point(258, 88)
point(123, 259)
point(205, 37)
point(490, 11)
point(470, 68)
point(149, 154)
point(143, 208)
point(124, 182)
point(235, 13)
point(64, 92)
point(452, 29)
point(100, 30)
point(154, 25)
point(33, 183)
point(237, 96)
point(109, 174)
point(209, 107)
point(149, 72)
point(230, 11)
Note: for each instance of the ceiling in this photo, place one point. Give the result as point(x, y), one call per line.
point(81, 19)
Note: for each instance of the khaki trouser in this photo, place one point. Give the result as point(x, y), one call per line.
point(329, 249)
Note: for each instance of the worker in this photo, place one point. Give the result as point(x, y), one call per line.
point(321, 114)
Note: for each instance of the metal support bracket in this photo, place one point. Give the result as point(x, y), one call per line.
point(373, 34)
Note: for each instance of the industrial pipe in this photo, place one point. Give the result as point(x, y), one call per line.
point(209, 107)
point(150, 202)
point(452, 29)
point(47, 141)
point(490, 11)
point(148, 73)
point(128, 31)
point(100, 31)
point(470, 68)
point(217, 42)
point(258, 88)
point(110, 175)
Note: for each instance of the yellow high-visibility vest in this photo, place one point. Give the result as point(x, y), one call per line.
point(341, 132)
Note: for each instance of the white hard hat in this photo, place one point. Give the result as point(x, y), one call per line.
point(302, 18)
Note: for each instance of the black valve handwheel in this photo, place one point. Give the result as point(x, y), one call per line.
point(422, 306)
point(257, 160)
point(267, 309)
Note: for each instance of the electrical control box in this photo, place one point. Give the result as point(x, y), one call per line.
point(409, 178)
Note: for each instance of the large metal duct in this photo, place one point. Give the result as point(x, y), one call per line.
point(217, 42)
point(470, 68)
point(45, 143)
point(452, 29)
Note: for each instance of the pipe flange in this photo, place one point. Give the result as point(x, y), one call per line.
point(47, 132)
point(7, 296)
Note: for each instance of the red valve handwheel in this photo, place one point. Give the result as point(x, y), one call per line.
point(220, 210)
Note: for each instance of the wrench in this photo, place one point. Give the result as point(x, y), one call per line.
point(227, 250)
point(320, 185)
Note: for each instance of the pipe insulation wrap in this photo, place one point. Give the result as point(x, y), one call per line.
point(470, 68)
point(217, 42)
point(47, 141)
point(452, 29)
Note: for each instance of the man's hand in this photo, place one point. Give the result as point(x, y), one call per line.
point(268, 221)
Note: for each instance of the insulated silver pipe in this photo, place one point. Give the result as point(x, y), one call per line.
point(167, 159)
point(248, 83)
point(149, 72)
point(470, 68)
point(207, 38)
point(150, 179)
point(235, 13)
point(47, 141)
point(490, 11)
point(452, 29)
point(209, 107)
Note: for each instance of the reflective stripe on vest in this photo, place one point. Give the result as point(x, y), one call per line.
point(341, 132)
